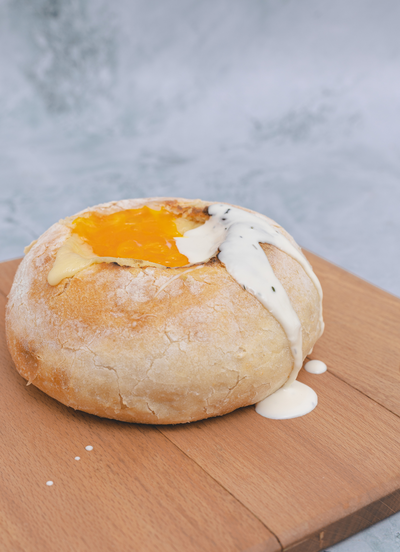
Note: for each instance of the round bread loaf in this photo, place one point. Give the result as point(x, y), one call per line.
point(149, 344)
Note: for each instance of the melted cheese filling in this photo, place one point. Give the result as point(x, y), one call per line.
point(133, 237)
point(144, 234)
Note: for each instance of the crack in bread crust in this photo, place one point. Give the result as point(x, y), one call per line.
point(109, 342)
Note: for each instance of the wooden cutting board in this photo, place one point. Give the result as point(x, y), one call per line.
point(236, 483)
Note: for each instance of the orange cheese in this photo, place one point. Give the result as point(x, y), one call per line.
point(143, 233)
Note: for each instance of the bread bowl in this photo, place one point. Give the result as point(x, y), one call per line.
point(153, 344)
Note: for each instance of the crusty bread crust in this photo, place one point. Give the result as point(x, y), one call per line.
point(107, 341)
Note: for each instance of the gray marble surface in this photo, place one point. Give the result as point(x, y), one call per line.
point(288, 107)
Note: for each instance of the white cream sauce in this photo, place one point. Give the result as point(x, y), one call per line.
point(49, 483)
point(288, 402)
point(315, 367)
point(237, 234)
point(77, 457)
point(89, 447)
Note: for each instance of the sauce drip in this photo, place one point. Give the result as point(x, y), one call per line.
point(288, 402)
point(238, 234)
point(144, 234)
point(315, 367)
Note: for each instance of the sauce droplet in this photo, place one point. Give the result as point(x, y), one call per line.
point(49, 483)
point(77, 457)
point(315, 367)
point(288, 402)
point(89, 447)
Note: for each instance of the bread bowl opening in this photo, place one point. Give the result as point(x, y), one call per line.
point(129, 237)
point(145, 233)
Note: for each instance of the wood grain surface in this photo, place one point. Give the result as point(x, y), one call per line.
point(361, 343)
point(239, 482)
point(299, 476)
point(135, 491)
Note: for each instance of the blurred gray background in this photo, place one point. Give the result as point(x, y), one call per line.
point(288, 107)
